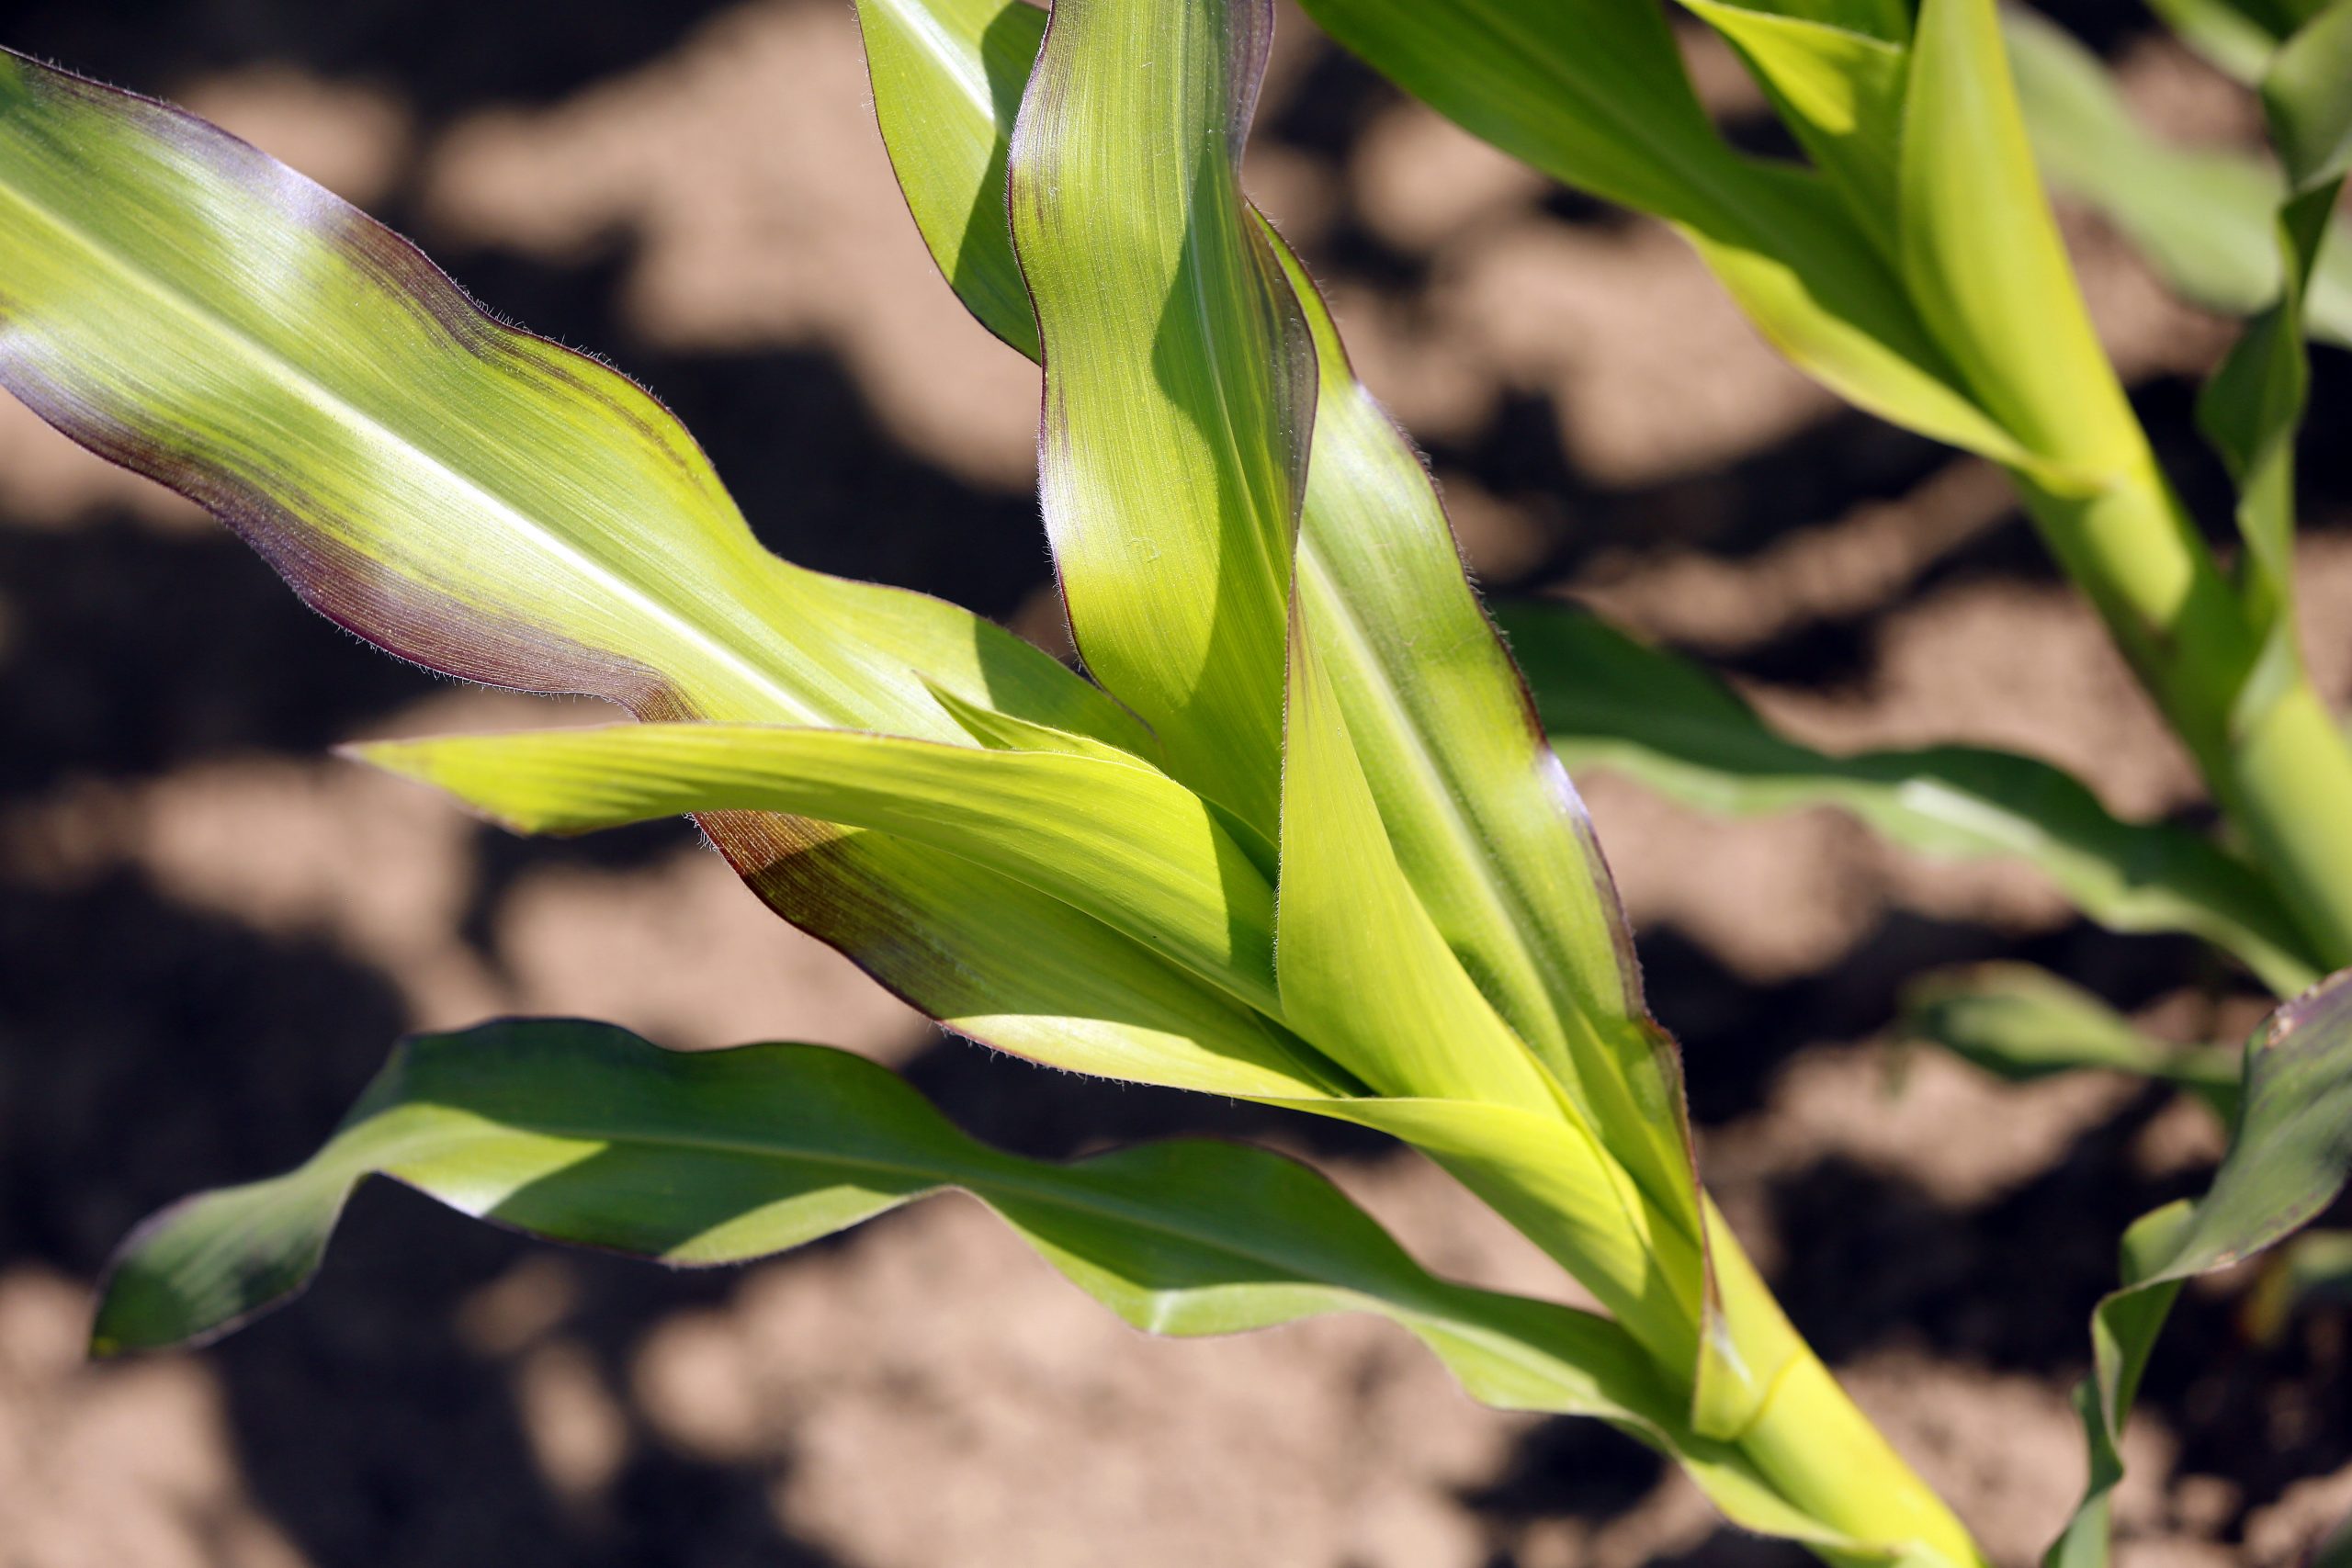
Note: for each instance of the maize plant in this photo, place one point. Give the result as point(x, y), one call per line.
point(1299, 835)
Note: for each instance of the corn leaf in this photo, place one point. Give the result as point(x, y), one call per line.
point(2021, 1023)
point(1361, 964)
point(1593, 93)
point(2009, 313)
point(1612, 702)
point(2307, 98)
point(583, 1132)
point(1480, 814)
point(2251, 408)
point(475, 499)
point(927, 57)
point(1836, 78)
point(2204, 217)
point(503, 510)
point(1179, 383)
point(1137, 852)
point(2289, 1159)
point(1127, 845)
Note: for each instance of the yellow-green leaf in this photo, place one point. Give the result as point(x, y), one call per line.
point(972, 55)
point(504, 509)
point(1593, 93)
point(1180, 388)
point(1982, 257)
point(1837, 81)
point(1113, 839)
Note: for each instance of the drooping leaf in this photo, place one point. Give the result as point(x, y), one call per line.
point(2289, 1157)
point(503, 510)
point(1609, 701)
point(1180, 384)
point(1125, 844)
point(474, 498)
point(584, 1133)
point(2021, 1023)
point(2203, 215)
point(1593, 93)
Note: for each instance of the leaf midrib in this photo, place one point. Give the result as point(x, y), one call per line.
point(1390, 1300)
point(941, 1174)
point(310, 389)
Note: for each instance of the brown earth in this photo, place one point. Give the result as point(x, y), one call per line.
point(208, 931)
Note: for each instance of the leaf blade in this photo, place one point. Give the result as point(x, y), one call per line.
point(1180, 394)
point(2011, 315)
point(2290, 1155)
point(551, 479)
point(1111, 839)
point(2020, 1024)
point(561, 1127)
point(1617, 117)
point(2203, 215)
point(1609, 701)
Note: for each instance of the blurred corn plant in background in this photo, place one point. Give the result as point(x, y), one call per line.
point(1305, 837)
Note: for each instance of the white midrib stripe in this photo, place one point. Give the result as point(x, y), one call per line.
point(318, 394)
point(953, 59)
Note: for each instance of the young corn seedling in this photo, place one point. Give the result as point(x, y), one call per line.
point(1301, 838)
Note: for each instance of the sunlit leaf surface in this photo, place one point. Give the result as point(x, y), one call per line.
point(584, 1133)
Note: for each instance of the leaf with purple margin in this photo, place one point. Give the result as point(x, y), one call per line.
point(1179, 390)
point(1481, 814)
point(504, 509)
point(1114, 839)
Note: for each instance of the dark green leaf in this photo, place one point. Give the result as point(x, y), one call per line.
point(1610, 702)
point(2289, 1159)
point(583, 1132)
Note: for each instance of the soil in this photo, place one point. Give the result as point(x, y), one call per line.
point(210, 931)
